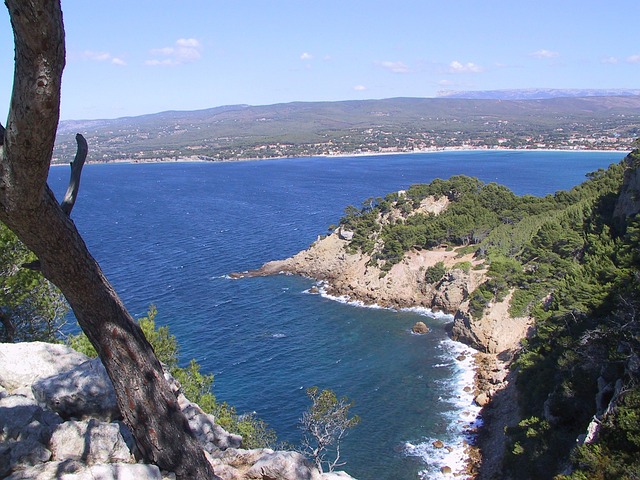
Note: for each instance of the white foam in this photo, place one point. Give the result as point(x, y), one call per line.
point(463, 419)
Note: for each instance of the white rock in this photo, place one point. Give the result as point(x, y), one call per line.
point(21, 364)
point(71, 470)
point(91, 441)
point(82, 392)
point(283, 465)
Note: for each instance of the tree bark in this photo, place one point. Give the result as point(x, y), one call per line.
point(29, 208)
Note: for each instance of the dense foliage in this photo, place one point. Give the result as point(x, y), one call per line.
point(196, 386)
point(573, 267)
point(31, 308)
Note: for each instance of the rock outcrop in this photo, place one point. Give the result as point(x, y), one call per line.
point(628, 203)
point(495, 332)
point(51, 426)
point(351, 275)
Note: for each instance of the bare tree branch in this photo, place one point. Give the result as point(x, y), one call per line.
point(76, 170)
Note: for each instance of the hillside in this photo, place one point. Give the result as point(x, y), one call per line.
point(351, 127)
point(560, 270)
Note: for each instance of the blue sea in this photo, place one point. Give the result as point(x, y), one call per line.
point(169, 235)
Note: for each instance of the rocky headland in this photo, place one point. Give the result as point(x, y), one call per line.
point(496, 336)
point(59, 419)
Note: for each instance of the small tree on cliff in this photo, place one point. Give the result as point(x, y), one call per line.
point(324, 426)
point(30, 210)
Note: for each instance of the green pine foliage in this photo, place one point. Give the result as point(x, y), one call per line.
point(31, 308)
point(195, 385)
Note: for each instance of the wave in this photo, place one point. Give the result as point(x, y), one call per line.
point(449, 455)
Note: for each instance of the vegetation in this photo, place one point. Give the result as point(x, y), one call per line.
point(324, 425)
point(195, 385)
point(574, 267)
point(31, 308)
point(388, 125)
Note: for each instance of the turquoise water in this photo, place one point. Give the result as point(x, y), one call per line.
point(168, 234)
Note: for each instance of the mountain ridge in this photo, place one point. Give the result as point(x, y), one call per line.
point(401, 124)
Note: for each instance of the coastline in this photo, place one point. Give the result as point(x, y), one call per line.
point(345, 155)
point(481, 377)
point(443, 456)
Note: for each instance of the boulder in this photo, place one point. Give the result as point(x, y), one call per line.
point(210, 435)
point(336, 476)
point(21, 419)
point(21, 364)
point(283, 465)
point(82, 392)
point(420, 328)
point(482, 399)
point(27, 453)
point(91, 441)
point(73, 470)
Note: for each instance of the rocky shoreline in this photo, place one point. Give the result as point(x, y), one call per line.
point(496, 336)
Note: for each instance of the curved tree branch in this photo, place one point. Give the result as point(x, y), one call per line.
point(76, 170)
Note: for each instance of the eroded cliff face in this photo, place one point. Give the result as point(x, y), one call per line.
point(350, 275)
point(628, 204)
point(495, 332)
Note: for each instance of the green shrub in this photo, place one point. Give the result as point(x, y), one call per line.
point(435, 273)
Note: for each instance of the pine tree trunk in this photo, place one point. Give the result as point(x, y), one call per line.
point(29, 208)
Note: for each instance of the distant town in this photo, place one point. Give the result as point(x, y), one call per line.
point(359, 128)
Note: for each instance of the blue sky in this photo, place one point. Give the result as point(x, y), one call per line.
point(145, 56)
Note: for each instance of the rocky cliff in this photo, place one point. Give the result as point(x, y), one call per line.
point(59, 419)
point(353, 276)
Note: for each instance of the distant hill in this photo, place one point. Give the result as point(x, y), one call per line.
point(364, 126)
point(538, 93)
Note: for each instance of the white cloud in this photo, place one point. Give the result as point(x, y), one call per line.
point(102, 57)
point(469, 67)
point(610, 60)
point(185, 50)
point(395, 67)
point(633, 59)
point(306, 56)
point(542, 53)
point(359, 88)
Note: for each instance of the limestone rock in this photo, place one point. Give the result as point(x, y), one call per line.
point(482, 399)
point(420, 328)
point(91, 441)
point(452, 290)
point(27, 453)
point(495, 332)
point(336, 476)
point(283, 465)
point(84, 391)
point(21, 418)
point(73, 470)
point(21, 364)
point(209, 434)
point(628, 203)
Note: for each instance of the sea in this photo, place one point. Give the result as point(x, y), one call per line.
point(170, 234)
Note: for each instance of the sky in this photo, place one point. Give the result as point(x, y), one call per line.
point(134, 57)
